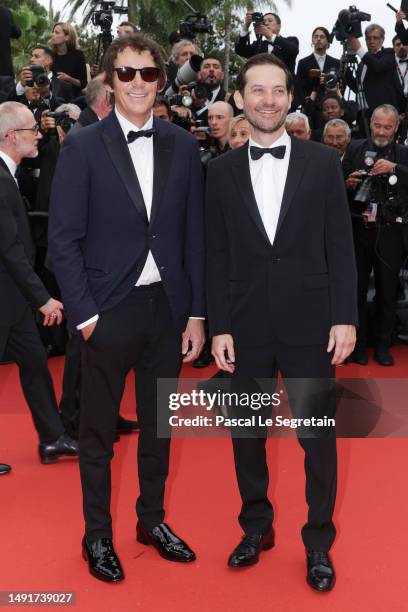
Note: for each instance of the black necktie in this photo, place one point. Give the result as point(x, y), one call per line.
point(257, 152)
point(132, 136)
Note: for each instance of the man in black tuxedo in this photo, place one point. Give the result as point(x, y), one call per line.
point(22, 290)
point(43, 56)
point(281, 295)
point(380, 231)
point(126, 242)
point(375, 82)
point(268, 40)
point(211, 75)
point(318, 60)
point(8, 30)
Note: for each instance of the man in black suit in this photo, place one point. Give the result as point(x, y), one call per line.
point(21, 289)
point(126, 242)
point(211, 75)
point(8, 30)
point(268, 40)
point(375, 81)
point(318, 60)
point(379, 230)
point(281, 295)
point(43, 56)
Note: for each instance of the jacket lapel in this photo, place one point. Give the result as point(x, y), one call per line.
point(242, 177)
point(297, 165)
point(163, 145)
point(118, 151)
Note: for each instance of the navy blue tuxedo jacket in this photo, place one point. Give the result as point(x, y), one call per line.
point(99, 235)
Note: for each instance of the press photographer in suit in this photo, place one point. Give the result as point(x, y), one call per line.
point(126, 242)
point(267, 29)
point(318, 60)
point(281, 290)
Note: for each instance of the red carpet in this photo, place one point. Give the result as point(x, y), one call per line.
point(41, 522)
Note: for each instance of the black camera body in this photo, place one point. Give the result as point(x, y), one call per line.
point(257, 18)
point(103, 18)
point(62, 119)
point(40, 78)
point(196, 23)
point(349, 23)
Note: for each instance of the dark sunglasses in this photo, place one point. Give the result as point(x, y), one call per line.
point(127, 74)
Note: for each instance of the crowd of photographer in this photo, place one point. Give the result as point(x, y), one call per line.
point(368, 131)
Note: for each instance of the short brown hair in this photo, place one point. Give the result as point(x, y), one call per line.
point(139, 43)
point(263, 59)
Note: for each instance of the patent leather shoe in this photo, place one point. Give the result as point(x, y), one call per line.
point(52, 451)
point(125, 426)
point(102, 560)
point(5, 468)
point(383, 356)
point(320, 571)
point(168, 545)
point(247, 551)
point(359, 355)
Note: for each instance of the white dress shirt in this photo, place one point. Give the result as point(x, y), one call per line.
point(10, 163)
point(320, 59)
point(268, 177)
point(208, 102)
point(402, 70)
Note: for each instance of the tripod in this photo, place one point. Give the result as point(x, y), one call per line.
point(349, 62)
point(104, 40)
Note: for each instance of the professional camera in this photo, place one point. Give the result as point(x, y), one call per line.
point(40, 78)
point(196, 23)
point(349, 23)
point(185, 99)
point(103, 18)
point(330, 79)
point(257, 18)
point(62, 119)
point(187, 73)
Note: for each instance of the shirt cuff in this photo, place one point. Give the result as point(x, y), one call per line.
point(361, 52)
point(20, 89)
point(196, 318)
point(243, 33)
point(88, 322)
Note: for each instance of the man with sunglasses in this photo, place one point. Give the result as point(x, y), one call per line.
point(126, 242)
point(21, 289)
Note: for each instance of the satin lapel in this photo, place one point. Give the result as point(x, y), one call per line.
point(240, 169)
point(118, 150)
point(297, 165)
point(163, 145)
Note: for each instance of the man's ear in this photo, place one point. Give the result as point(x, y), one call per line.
point(239, 100)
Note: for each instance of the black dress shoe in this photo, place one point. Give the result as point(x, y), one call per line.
point(169, 546)
point(320, 571)
point(4, 468)
point(359, 355)
point(52, 451)
point(383, 356)
point(124, 426)
point(102, 560)
point(247, 551)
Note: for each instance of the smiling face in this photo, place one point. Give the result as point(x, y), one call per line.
point(265, 100)
point(134, 100)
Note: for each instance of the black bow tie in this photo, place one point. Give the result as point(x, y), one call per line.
point(132, 136)
point(403, 61)
point(278, 152)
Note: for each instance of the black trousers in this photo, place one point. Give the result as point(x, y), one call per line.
point(139, 332)
point(380, 247)
point(311, 372)
point(21, 343)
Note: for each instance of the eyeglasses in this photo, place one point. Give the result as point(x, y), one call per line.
point(35, 129)
point(126, 74)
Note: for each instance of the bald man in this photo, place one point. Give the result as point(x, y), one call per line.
point(219, 117)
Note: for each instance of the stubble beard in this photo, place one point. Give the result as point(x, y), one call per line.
point(267, 129)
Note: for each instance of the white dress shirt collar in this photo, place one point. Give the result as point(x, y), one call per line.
point(282, 140)
point(10, 163)
point(127, 126)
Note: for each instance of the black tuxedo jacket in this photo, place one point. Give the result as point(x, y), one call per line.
point(62, 89)
point(19, 285)
point(305, 281)
point(380, 83)
point(286, 49)
point(220, 97)
point(8, 29)
point(305, 64)
point(99, 235)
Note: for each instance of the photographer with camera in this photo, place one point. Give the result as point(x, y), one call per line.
point(267, 29)
point(126, 28)
point(209, 90)
point(376, 173)
point(375, 73)
point(308, 77)
point(40, 74)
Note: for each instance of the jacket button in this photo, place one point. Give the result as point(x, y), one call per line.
point(275, 259)
point(162, 268)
